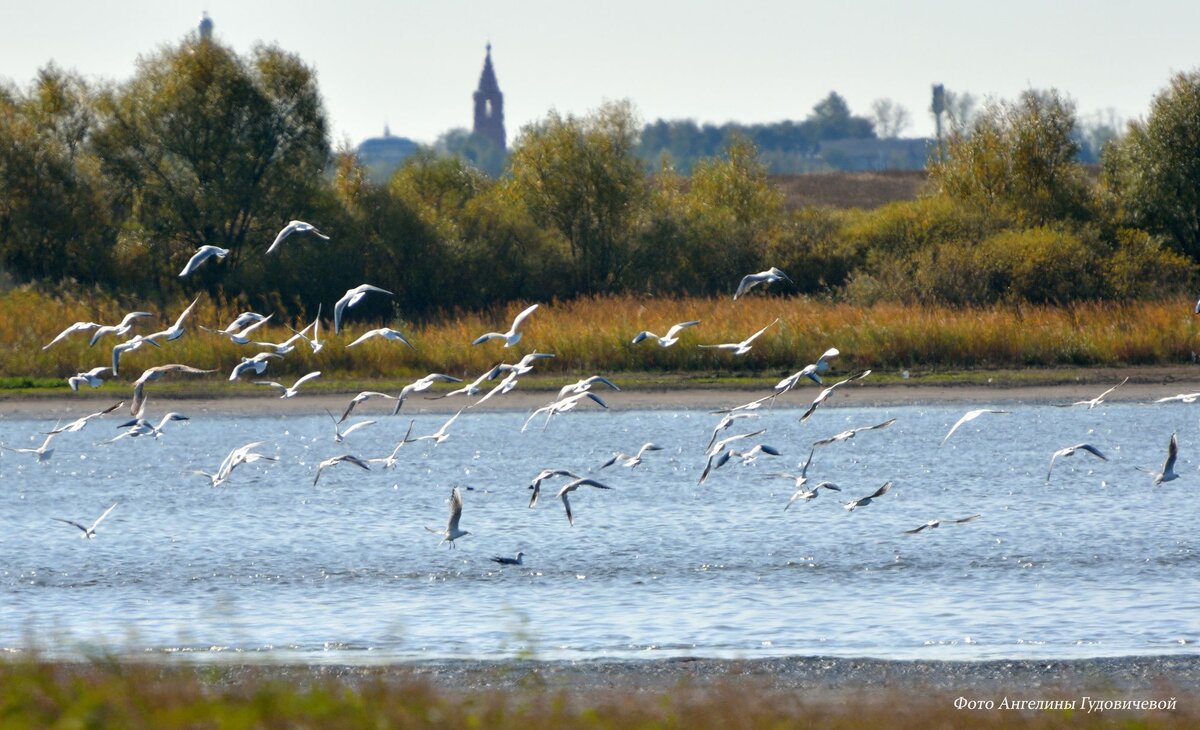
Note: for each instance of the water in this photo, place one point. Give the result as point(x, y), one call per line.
point(1098, 563)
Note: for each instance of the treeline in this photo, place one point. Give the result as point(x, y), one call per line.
point(115, 186)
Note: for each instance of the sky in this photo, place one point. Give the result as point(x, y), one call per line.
point(414, 65)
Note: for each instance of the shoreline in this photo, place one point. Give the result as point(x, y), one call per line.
point(999, 387)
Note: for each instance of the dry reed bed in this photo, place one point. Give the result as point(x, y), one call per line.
point(105, 694)
point(592, 334)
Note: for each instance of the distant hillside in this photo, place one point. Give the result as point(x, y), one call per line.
point(850, 189)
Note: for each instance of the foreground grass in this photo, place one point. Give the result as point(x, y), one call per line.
point(104, 694)
point(591, 335)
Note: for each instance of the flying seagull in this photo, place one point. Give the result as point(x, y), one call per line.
point(242, 337)
point(79, 423)
point(43, 452)
point(120, 330)
point(295, 227)
point(442, 433)
point(725, 423)
point(668, 339)
point(571, 486)
point(258, 364)
point(1168, 468)
point(237, 457)
point(562, 406)
point(339, 435)
point(1070, 451)
point(812, 372)
point(90, 378)
point(932, 524)
point(285, 391)
point(129, 346)
point(422, 384)
point(1093, 402)
point(513, 335)
point(175, 331)
point(334, 461)
point(389, 461)
point(363, 396)
point(584, 385)
point(141, 427)
point(72, 329)
point(88, 532)
point(864, 501)
point(770, 276)
point(204, 253)
point(631, 460)
point(740, 348)
point(824, 394)
point(243, 319)
point(386, 333)
point(849, 434)
point(351, 298)
point(1182, 397)
point(150, 375)
point(969, 416)
point(452, 532)
point(543, 475)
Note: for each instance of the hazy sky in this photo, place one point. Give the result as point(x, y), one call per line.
point(415, 64)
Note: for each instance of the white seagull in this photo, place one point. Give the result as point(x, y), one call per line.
point(668, 339)
point(509, 561)
point(770, 276)
point(79, 423)
point(88, 532)
point(1182, 397)
point(513, 335)
point(363, 396)
point(571, 486)
point(295, 227)
point(824, 394)
point(420, 385)
point(582, 386)
point(237, 457)
point(204, 253)
point(1093, 402)
point(334, 461)
point(442, 433)
point(129, 346)
point(933, 524)
point(969, 416)
point(285, 347)
point(258, 364)
point(77, 327)
point(389, 461)
point(175, 331)
point(287, 392)
point(452, 531)
point(472, 388)
point(851, 433)
point(120, 330)
point(812, 372)
point(562, 406)
point(339, 435)
point(1070, 451)
point(150, 375)
point(386, 333)
point(631, 460)
point(142, 427)
point(90, 378)
point(725, 423)
point(543, 475)
point(240, 322)
point(43, 452)
point(242, 337)
point(740, 348)
point(1167, 473)
point(864, 501)
point(351, 298)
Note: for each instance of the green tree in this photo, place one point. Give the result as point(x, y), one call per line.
point(1153, 173)
point(581, 178)
point(213, 148)
point(56, 214)
point(476, 149)
point(1020, 155)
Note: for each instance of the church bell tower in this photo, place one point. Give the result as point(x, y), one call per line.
point(489, 105)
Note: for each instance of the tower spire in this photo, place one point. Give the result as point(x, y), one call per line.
point(489, 104)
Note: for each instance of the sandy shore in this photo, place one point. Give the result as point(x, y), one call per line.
point(1145, 385)
point(1133, 677)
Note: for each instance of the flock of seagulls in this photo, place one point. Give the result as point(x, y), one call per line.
point(746, 447)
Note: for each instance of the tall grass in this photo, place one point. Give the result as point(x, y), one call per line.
point(592, 334)
point(126, 695)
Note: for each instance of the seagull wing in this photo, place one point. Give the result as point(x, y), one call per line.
point(71, 522)
point(520, 318)
point(311, 376)
point(456, 507)
point(101, 517)
point(287, 231)
point(1172, 452)
point(676, 329)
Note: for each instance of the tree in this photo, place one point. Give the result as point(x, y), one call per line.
point(890, 119)
point(831, 119)
point(581, 178)
point(476, 149)
point(56, 214)
point(212, 148)
point(1153, 174)
point(1022, 156)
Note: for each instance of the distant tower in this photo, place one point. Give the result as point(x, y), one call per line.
point(206, 26)
point(489, 105)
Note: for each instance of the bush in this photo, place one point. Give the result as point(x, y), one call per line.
point(1142, 268)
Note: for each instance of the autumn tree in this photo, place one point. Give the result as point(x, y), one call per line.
point(209, 147)
point(1153, 173)
point(581, 178)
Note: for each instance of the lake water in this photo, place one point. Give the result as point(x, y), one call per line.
point(1099, 562)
